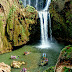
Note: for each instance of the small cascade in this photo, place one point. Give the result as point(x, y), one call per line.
point(50, 27)
point(24, 3)
point(29, 2)
point(36, 5)
point(47, 5)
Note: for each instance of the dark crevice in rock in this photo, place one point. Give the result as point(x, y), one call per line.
point(34, 32)
point(17, 47)
point(1, 7)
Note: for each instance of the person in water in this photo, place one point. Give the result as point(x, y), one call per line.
point(44, 55)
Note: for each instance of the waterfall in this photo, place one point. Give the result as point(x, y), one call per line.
point(24, 3)
point(47, 5)
point(44, 16)
point(45, 20)
point(44, 28)
point(29, 2)
point(36, 5)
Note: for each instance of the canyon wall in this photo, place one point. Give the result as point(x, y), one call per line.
point(15, 24)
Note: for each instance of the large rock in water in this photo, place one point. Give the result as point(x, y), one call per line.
point(4, 67)
point(61, 16)
point(17, 64)
point(15, 24)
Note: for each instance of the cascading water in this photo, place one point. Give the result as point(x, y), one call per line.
point(36, 5)
point(47, 5)
point(44, 29)
point(44, 15)
point(29, 2)
point(45, 20)
point(24, 3)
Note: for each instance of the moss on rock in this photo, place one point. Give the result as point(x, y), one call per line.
point(14, 24)
point(67, 69)
point(61, 16)
point(65, 59)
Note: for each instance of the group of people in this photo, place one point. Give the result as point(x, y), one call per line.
point(44, 60)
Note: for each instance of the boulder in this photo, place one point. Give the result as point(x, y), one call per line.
point(17, 64)
point(4, 67)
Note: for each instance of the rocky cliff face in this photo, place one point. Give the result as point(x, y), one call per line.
point(15, 24)
point(64, 62)
point(61, 15)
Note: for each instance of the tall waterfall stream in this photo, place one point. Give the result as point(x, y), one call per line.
point(45, 21)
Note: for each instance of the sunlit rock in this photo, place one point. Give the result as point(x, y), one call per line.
point(4, 67)
point(17, 64)
point(15, 24)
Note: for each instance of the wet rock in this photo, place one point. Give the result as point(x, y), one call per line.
point(4, 67)
point(15, 24)
point(17, 64)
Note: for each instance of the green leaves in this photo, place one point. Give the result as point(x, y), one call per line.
point(67, 21)
point(67, 69)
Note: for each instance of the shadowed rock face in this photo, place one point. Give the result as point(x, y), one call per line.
point(61, 15)
point(15, 24)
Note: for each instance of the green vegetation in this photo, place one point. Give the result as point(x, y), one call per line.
point(18, 25)
point(10, 21)
point(67, 69)
point(20, 1)
point(67, 52)
point(50, 69)
point(61, 20)
point(11, 18)
point(21, 4)
point(1, 24)
point(30, 8)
